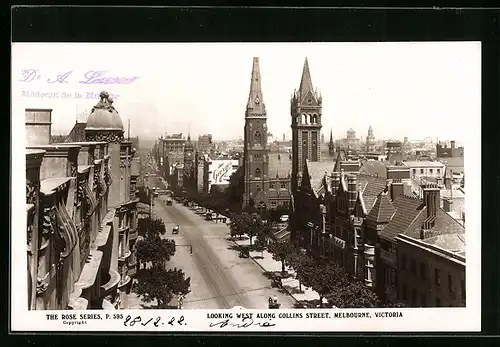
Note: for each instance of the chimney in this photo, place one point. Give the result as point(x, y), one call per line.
point(335, 183)
point(397, 188)
point(431, 199)
point(351, 188)
point(452, 143)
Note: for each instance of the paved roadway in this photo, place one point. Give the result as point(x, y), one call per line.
point(219, 278)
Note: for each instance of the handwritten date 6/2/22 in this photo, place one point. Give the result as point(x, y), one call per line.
point(157, 322)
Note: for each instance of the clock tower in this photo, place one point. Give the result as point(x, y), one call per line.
point(188, 179)
point(305, 110)
point(255, 151)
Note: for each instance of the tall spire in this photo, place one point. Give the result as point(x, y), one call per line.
point(306, 81)
point(331, 136)
point(255, 99)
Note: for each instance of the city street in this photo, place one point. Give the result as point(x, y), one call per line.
point(219, 278)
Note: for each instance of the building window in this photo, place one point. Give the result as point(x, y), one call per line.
point(437, 279)
point(404, 294)
point(413, 266)
point(304, 142)
point(450, 283)
point(414, 171)
point(283, 185)
point(271, 185)
point(423, 271)
point(438, 302)
point(430, 170)
point(258, 188)
point(423, 300)
point(257, 173)
point(414, 297)
point(314, 143)
point(257, 137)
point(273, 204)
point(438, 171)
point(421, 171)
point(403, 262)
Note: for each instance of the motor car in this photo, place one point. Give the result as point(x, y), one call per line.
point(175, 230)
point(208, 216)
point(284, 218)
point(169, 202)
point(273, 303)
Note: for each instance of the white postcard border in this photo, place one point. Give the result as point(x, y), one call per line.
point(412, 320)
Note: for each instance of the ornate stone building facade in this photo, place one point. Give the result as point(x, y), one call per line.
point(81, 214)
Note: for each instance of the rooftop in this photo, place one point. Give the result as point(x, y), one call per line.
point(423, 163)
point(407, 210)
point(374, 168)
point(317, 171)
point(279, 165)
point(451, 242)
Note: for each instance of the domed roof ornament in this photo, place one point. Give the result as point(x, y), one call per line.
point(104, 122)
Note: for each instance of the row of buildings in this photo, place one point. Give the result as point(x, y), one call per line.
point(388, 230)
point(81, 211)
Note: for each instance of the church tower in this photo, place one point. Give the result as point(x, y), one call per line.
point(331, 145)
point(255, 151)
point(305, 110)
point(188, 163)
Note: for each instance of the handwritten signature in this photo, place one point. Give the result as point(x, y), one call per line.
point(156, 322)
point(89, 77)
point(245, 323)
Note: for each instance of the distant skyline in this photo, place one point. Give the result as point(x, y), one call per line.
point(416, 90)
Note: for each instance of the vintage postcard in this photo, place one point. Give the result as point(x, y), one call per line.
point(246, 187)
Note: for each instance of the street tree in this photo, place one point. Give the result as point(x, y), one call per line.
point(301, 263)
point(150, 226)
point(353, 295)
point(281, 251)
point(154, 250)
point(161, 284)
point(324, 278)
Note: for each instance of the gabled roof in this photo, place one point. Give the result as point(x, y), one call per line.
point(341, 156)
point(281, 167)
point(382, 211)
point(315, 172)
point(407, 210)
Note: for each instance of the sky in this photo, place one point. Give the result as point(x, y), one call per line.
point(400, 89)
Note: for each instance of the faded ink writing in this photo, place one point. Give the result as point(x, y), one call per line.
point(243, 323)
point(89, 77)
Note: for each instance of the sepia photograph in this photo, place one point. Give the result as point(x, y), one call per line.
point(291, 180)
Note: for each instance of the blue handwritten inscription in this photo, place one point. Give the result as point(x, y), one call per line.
point(89, 77)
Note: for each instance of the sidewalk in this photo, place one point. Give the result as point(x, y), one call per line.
point(290, 285)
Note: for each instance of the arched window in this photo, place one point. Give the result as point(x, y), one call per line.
point(304, 116)
point(315, 118)
point(257, 172)
point(257, 187)
point(297, 119)
point(257, 137)
point(312, 118)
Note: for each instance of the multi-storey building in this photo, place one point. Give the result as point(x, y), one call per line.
point(431, 271)
point(394, 150)
point(266, 176)
point(205, 143)
point(172, 152)
point(189, 165)
point(81, 213)
point(448, 150)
